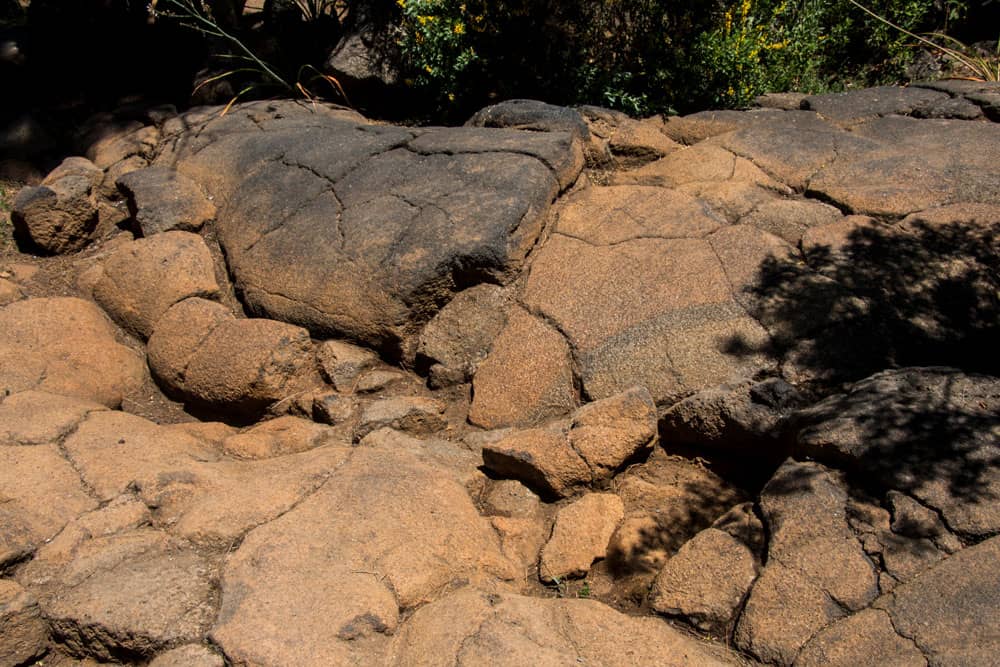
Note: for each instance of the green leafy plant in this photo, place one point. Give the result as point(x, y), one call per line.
point(435, 39)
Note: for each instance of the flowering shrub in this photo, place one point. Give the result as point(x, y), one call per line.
point(435, 40)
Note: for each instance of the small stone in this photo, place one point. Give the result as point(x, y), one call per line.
point(609, 432)
point(23, 633)
point(190, 655)
point(411, 414)
point(510, 498)
point(542, 459)
point(341, 363)
point(9, 292)
point(333, 409)
point(706, 581)
point(580, 536)
point(59, 215)
point(377, 380)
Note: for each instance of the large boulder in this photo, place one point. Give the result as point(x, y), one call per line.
point(364, 231)
point(64, 345)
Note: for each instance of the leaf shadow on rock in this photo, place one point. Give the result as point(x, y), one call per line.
point(886, 298)
point(913, 295)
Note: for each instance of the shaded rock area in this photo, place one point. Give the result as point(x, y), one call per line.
point(287, 386)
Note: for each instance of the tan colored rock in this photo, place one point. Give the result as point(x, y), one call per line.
point(705, 581)
point(23, 633)
point(636, 142)
point(59, 215)
point(109, 186)
point(377, 380)
point(864, 639)
point(388, 532)
point(195, 492)
point(65, 346)
point(118, 146)
point(521, 539)
point(609, 432)
point(189, 655)
point(510, 498)
point(608, 215)
point(580, 536)
point(205, 355)
point(791, 218)
point(38, 418)
point(526, 378)
point(543, 459)
point(39, 493)
point(638, 546)
point(412, 414)
point(470, 628)
point(459, 337)
point(341, 363)
point(277, 437)
point(142, 279)
point(815, 566)
point(136, 592)
point(212, 432)
point(783, 612)
point(9, 292)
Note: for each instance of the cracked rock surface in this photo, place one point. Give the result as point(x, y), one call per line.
point(558, 387)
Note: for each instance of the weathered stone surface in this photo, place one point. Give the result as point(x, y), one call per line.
point(333, 409)
point(681, 497)
point(201, 352)
point(732, 418)
point(637, 546)
point(131, 594)
point(580, 536)
point(928, 432)
point(474, 628)
point(196, 494)
point(459, 337)
point(378, 379)
point(863, 639)
point(117, 146)
point(9, 292)
point(412, 414)
point(161, 200)
point(65, 346)
point(526, 378)
point(705, 581)
point(341, 363)
point(189, 655)
point(791, 218)
point(142, 279)
point(541, 458)
point(943, 610)
point(855, 106)
point(23, 633)
point(346, 560)
point(607, 433)
point(38, 418)
point(510, 498)
point(742, 523)
point(913, 165)
point(816, 568)
point(367, 241)
point(59, 215)
point(277, 437)
point(531, 115)
point(664, 323)
point(701, 163)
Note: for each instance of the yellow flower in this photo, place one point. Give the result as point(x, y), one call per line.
point(451, 97)
point(458, 28)
point(401, 3)
point(429, 69)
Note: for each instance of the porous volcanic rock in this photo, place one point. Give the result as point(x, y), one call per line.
point(364, 231)
point(161, 200)
point(204, 354)
point(65, 345)
point(142, 279)
point(59, 215)
point(474, 628)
